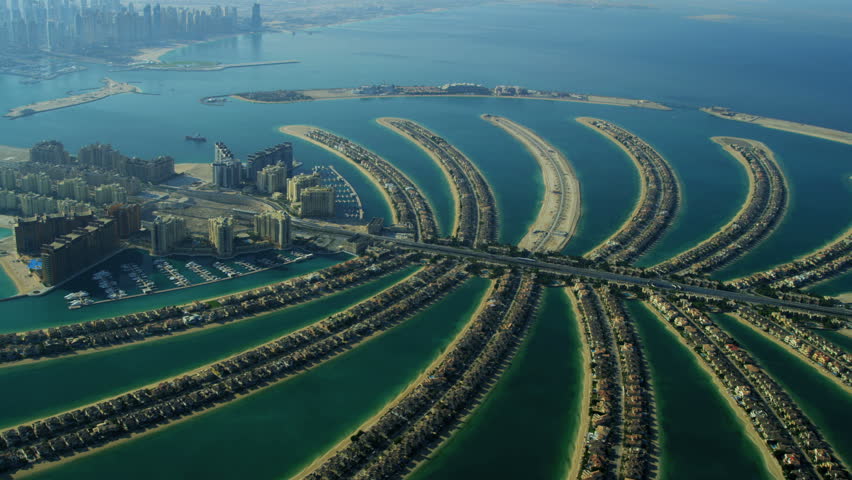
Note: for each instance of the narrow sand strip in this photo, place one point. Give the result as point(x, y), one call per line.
point(560, 209)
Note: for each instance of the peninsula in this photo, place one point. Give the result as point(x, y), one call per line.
point(476, 207)
point(409, 206)
point(110, 88)
point(659, 198)
point(560, 209)
point(778, 124)
point(762, 212)
point(447, 90)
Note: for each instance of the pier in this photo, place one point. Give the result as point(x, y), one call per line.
point(560, 209)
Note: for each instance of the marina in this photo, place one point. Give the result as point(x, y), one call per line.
point(150, 275)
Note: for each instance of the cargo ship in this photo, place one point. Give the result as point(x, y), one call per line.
point(196, 138)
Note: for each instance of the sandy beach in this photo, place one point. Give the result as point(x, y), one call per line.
point(785, 125)
point(792, 351)
point(560, 209)
point(411, 386)
point(14, 154)
point(200, 171)
point(45, 466)
point(772, 465)
point(386, 122)
point(585, 420)
point(153, 55)
point(301, 132)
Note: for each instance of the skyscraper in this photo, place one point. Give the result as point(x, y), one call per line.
point(256, 19)
point(167, 232)
point(273, 227)
point(272, 178)
point(221, 231)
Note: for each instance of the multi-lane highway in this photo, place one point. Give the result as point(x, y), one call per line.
point(578, 271)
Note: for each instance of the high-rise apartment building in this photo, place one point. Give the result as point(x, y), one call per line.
point(69, 254)
point(222, 234)
point(317, 202)
point(273, 227)
point(167, 232)
point(110, 194)
point(73, 188)
point(128, 217)
point(49, 151)
point(296, 184)
point(281, 153)
point(272, 178)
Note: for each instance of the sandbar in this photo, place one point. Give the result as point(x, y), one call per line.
point(560, 209)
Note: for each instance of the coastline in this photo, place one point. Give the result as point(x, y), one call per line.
point(411, 386)
point(552, 206)
point(576, 457)
point(385, 122)
point(300, 132)
point(770, 464)
point(791, 351)
point(784, 125)
point(236, 397)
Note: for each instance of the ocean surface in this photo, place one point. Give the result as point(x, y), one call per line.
point(792, 69)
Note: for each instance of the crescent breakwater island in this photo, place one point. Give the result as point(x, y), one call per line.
point(765, 206)
point(110, 88)
point(423, 417)
point(409, 207)
point(447, 90)
point(204, 66)
point(792, 446)
point(778, 124)
point(562, 204)
point(659, 198)
point(49, 441)
point(476, 207)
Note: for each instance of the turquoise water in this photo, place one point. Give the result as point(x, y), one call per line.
point(823, 401)
point(7, 286)
point(513, 45)
point(835, 286)
point(277, 431)
point(526, 426)
point(697, 428)
point(30, 313)
point(58, 385)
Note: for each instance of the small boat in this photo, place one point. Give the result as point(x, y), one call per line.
point(195, 138)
